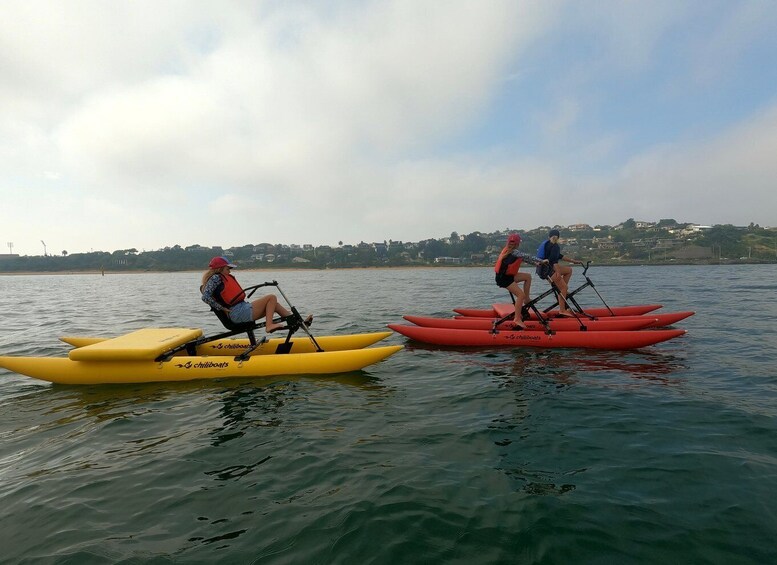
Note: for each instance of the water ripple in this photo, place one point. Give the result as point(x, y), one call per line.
point(435, 455)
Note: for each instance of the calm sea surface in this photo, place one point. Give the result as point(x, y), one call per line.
point(664, 455)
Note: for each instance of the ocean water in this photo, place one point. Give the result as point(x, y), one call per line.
point(435, 455)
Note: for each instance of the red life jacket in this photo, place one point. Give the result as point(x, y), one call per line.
point(504, 268)
point(232, 293)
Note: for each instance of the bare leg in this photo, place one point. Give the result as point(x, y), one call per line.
point(280, 310)
point(566, 274)
point(519, 300)
point(526, 279)
point(561, 279)
point(266, 307)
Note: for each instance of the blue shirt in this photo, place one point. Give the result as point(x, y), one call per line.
point(550, 251)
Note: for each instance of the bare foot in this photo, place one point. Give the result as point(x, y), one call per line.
point(271, 327)
point(309, 320)
point(566, 314)
point(519, 325)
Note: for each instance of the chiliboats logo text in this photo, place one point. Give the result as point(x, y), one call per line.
point(203, 365)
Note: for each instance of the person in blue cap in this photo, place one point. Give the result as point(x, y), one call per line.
point(559, 274)
point(221, 291)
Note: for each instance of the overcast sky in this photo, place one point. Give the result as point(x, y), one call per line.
point(153, 123)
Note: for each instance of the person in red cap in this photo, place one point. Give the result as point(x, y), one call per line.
point(221, 291)
point(508, 275)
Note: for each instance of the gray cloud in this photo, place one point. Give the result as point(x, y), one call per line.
point(147, 125)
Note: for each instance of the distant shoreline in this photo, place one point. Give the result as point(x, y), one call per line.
point(241, 270)
point(370, 268)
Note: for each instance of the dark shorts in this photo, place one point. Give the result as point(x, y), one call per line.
point(544, 270)
point(503, 281)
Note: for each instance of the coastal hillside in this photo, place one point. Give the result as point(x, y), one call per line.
point(630, 242)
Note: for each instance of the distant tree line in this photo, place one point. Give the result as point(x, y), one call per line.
point(628, 243)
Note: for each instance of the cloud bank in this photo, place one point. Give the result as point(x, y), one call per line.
point(148, 125)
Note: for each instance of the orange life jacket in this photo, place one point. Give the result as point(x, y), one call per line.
point(232, 293)
point(503, 267)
